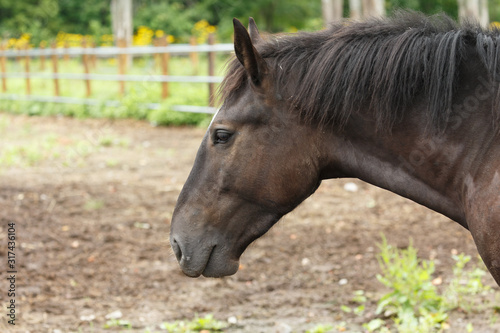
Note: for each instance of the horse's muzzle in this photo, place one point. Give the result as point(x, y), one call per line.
point(208, 260)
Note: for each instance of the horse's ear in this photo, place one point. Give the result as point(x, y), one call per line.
point(247, 54)
point(254, 32)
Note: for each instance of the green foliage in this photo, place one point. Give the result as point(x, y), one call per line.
point(414, 302)
point(321, 328)
point(175, 17)
point(429, 7)
point(410, 281)
point(359, 299)
point(43, 19)
point(464, 283)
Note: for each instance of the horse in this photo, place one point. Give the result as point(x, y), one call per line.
point(408, 103)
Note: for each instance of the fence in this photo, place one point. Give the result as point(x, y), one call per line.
point(161, 51)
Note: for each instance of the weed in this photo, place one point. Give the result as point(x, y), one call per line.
point(112, 323)
point(463, 284)
point(413, 294)
point(414, 303)
point(207, 323)
point(359, 298)
point(321, 328)
point(110, 141)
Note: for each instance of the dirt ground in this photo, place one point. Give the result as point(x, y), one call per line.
point(92, 200)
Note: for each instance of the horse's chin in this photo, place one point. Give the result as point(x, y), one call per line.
point(210, 263)
point(217, 269)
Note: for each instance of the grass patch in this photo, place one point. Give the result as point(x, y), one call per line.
point(133, 104)
point(414, 303)
point(206, 324)
point(64, 151)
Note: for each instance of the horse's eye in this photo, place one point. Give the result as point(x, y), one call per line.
point(221, 136)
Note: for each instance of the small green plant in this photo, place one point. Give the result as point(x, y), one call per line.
point(414, 299)
point(414, 303)
point(110, 140)
point(112, 323)
point(321, 328)
point(464, 283)
point(359, 299)
point(207, 323)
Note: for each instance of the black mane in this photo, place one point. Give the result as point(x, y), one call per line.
point(380, 64)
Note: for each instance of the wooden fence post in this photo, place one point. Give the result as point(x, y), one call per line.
point(85, 60)
point(27, 70)
point(3, 69)
point(122, 64)
point(55, 68)
point(42, 56)
point(18, 57)
point(211, 71)
point(93, 57)
point(165, 57)
point(66, 51)
point(194, 56)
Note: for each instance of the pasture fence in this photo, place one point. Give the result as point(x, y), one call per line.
point(161, 51)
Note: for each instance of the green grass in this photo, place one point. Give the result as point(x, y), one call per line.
point(33, 150)
point(207, 323)
point(132, 102)
point(414, 303)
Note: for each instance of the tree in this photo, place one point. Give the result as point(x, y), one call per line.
point(474, 10)
point(332, 10)
point(355, 9)
point(121, 18)
point(375, 8)
point(38, 18)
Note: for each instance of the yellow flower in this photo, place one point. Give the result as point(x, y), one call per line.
point(144, 36)
point(495, 25)
point(201, 30)
point(211, 29)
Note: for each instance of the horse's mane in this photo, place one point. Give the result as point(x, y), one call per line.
point(380, 65)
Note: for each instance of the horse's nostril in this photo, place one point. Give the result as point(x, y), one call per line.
point(176, 248)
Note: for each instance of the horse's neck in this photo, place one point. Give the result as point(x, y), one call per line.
point(432, 170)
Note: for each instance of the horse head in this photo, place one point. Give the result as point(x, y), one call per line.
point(256, 163)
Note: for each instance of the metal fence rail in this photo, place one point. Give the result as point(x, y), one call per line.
point(115, 77)
point(111, 51)
point(96, 102)
point(160, 52)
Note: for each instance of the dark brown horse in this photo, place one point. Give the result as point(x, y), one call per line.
point(409, 104)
